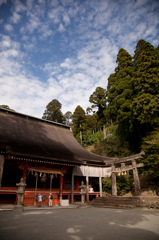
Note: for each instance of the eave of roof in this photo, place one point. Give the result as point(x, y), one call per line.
point(35, 118)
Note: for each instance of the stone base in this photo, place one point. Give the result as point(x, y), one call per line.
point(18, 208)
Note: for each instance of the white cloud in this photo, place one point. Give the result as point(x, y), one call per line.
point(92, 34)
point(5, 41)
point(66, 19)
point(8, 27)
point(19, 6)
point(15, 17)
point(61, 28)
point(2, 1)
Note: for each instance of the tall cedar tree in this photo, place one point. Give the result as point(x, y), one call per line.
point(119, 90)
point(78, 118)
point(53, 112)
point(67, 117)
point(145, 81)
point(98, 98)
point(119, 97)
point(111, 111)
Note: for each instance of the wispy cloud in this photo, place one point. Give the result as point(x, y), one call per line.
point(65, 49)
point(8, 27)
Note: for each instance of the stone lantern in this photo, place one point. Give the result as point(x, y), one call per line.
point(83, 191)
point(20, 192)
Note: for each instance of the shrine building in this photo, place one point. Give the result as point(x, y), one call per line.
point(49, 159)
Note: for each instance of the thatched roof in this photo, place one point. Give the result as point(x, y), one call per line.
point(26, 136)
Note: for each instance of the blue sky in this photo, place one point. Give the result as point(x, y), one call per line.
point(64, 49)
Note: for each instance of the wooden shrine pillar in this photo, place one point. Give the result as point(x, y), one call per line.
point(100, 186)
point(25, 172)
point(72, 186)
point(2, 159)
point(24, 177)
point(100, 183)
point(114, 187)
point(61, 187)
point(136, 179)
point(87, 188)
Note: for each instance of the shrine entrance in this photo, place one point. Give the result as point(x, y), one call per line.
point(125, 168)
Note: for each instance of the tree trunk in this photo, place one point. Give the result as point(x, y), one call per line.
point(81, 135)
point(105, 132)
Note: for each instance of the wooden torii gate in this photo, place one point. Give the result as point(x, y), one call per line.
point(124, 168)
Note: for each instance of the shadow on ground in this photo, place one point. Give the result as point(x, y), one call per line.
point(80, 224)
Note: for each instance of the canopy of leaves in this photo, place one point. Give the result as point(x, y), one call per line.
point(119, 91)
point(145, 80)
point(53, 112)
point(98, 98)
point(151, 148)
point(67, 117)
point(78, 118)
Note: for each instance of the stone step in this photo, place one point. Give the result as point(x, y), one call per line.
point(125, 202)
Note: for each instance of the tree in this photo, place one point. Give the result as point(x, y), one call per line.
point(53, 112)
point(151, 159)
point(120, 88)
point(98, 98)
point(67, 117)
point(6, 107)
point(91, 122)
point(151, 148)
point(78, 118)
point(111, 111)
point(88, 110)
point(146, 85)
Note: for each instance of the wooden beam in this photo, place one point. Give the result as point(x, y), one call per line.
point(127, 168)
point(2, 160)
point(126, 159)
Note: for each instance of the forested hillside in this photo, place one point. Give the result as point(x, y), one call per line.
point(124, 117)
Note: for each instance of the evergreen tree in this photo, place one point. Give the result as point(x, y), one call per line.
point(98, 98)
point(6, 107)
point(120, 88)
point(67, 117)
point(53, 112)
point(78, 118)
point(91, 122)
point(146, 83)
point(145, 103)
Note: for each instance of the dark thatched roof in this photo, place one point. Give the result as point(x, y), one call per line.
point(22, 135)
point(29, 137)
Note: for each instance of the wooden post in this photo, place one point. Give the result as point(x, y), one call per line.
point(51, 177)
point(25, 172)
point(87, 190)
point(90, 181)
point(2, 159)
point(72, 186)
point(36, 184)
point(100, 183)
point(114, 188)
point(61, 186)
point(100, 186)
point(24, 177)
point(104, 131)
point(136, 179)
